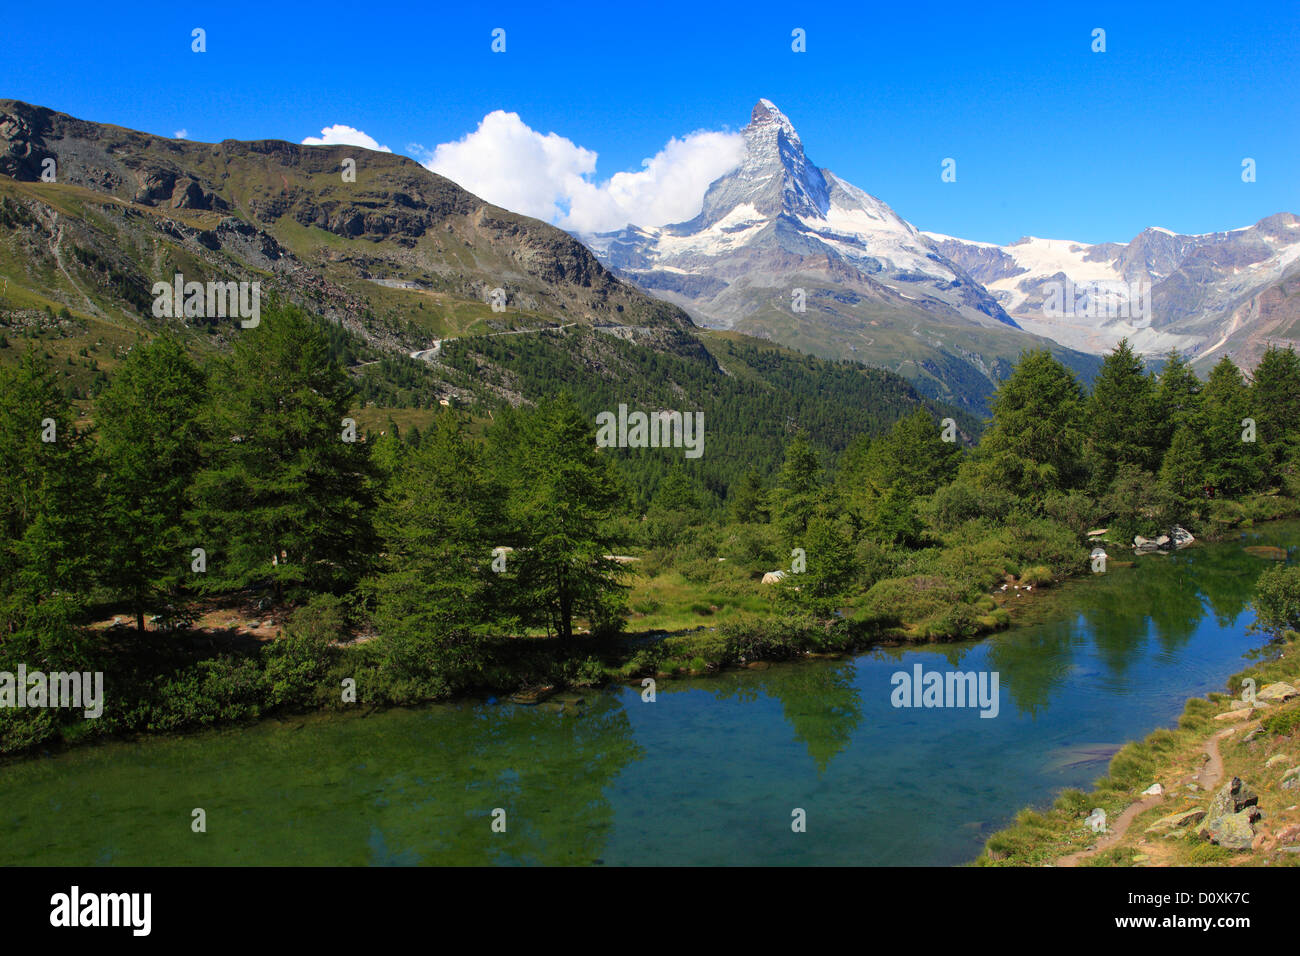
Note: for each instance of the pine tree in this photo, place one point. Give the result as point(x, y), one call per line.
point(1121, 418)
point(282, 497)
point(49, 505)
point(798, 489)
point(1035, 444)
point(387, 451)
point(1234, 464)
point(677, 505)
point(437, 588)
point(1183, 473)
point(830, 568)
point(150, 440)
point(1177, 398)
point(891, 519)
point(563, 496)
point(912, 455)
point(749, 500)
point(1275, 405)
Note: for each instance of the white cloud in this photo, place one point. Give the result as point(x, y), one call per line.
point(340, 135)
point(181, 134)
point(547, 176)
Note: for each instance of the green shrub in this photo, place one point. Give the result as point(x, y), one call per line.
point(757, 547)
point(910, 599)
point(584, 672)
point(754, 638)
point(1041, 541)
point(26, 728)
point(297, 663)
point(872, 563)
point(963, 501)
point(220, 690)
point(1284, 723)
point(1037, 575)
point(959, 621)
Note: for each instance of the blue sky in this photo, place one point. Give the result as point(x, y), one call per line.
point(1050, 138)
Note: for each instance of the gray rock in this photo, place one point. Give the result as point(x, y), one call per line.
point(1232, 830)
point(1278, 691)
point(1233, 798)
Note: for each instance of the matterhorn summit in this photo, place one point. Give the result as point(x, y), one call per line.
point(777, 223)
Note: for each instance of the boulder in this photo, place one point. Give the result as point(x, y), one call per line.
point(773, 577)
point(1291, 779)
point(1278, 691)
point(1155, 790)
point(1276, 759)
point(1232, 798)
point(1232, 830)
point(1182, 537)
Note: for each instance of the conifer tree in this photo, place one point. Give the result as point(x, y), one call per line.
point(49, 506)
point(283, 497)
point(1275, 406)
point(1035, 444)
point(563, 495)
point(798, 491)
point(150, 441)
point(1234, 463)
point(441, 582)
point(1121, 418)
point(749, 500)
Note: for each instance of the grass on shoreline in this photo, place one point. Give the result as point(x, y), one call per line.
point(1170, 756)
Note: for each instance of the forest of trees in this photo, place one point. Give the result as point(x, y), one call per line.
point(236, 480)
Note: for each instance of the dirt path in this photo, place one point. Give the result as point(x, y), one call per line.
point(1207, 780)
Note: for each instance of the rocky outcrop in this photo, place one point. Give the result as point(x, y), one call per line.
point(1229, 822)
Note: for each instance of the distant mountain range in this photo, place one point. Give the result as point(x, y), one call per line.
point(1222, 293)
point(93, 215)
point(949, 314)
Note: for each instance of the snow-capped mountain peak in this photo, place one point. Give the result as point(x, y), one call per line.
point(779, 221)
point(775, 176)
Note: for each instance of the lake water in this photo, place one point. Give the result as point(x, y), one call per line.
point(709, 773)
